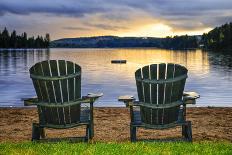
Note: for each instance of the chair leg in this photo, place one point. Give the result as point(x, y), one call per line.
point(42, 132)
point(35, 132)
point(91, 131)
point(187, 131)
point(184, 130)
point(132, 133)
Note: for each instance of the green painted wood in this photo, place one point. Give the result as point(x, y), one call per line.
point(49, 84)
point(154, 93)
point(165, 92)
point(139, 85)
point(77, 83)
point(57, 92)
point(161, 95)
point(168, 89)
point(146, 86)
point(36, 85)
point(180, 71)
point(71, 70)
point(58, 87)
point(64, 87)
point(54, 72)
point(146, 112)
point(153, 73)
point(178, 86)
point(167, 113)
point(42, 84)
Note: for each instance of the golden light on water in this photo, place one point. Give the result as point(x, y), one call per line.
point(97, 62)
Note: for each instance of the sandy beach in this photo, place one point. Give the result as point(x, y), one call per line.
point(112, 124)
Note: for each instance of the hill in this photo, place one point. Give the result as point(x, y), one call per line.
point(176, 42)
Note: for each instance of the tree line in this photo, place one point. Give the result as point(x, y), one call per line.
point(176, 42)
point(13, 40)
point(181, 42)
point(220, 38)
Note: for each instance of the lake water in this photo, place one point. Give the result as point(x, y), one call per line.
point(210, 74)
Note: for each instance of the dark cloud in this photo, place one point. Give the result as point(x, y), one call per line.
point(179, 14)
point(105, 26)
point(76, 28)
point(55, 7)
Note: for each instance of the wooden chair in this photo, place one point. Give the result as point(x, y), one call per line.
point(58, 87)
point(161, 101)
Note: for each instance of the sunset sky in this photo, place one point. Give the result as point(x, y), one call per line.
point(80, 18)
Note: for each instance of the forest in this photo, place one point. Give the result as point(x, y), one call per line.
point(13, 40)
point(176, 42)
point(220, 38)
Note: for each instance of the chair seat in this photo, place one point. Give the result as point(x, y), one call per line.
point(137, 120)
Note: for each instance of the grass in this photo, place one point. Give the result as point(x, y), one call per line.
point(117, 148)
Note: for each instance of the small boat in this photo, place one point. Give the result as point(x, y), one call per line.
point(118, 61)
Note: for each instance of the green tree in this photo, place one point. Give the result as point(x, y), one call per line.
point(5, 38)
point(13, 39)
point(47, 40)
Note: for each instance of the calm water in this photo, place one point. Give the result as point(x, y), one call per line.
point(210, 74)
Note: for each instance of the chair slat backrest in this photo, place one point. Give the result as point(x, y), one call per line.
point(160, 84)
point(57, 82)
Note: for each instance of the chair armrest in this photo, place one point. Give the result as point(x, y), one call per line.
point(30, 101)
point(127, 99)
point(190, 97)
point(92, 96)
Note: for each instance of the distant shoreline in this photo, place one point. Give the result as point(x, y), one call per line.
point(21, 49)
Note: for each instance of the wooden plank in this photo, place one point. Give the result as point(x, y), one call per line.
point(168, 89)
point(61, 115)
point(146, 115)
point(161, 94)
point(42, 84)
point(36, 85)
point(146, 86)
point(153, 74)
point(162, 70)
point(54, 71)
point(139, 85)
point(53, 114)
point(77, 82)
point(180, 70)
point(37, 89)
point(167, 92)
point(178, 86)
point(154, 92)
point(62, 70)
point(49, 84)
point(75, 113)
point(70, 70)
point(177, 92)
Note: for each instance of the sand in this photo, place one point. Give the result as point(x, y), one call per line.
point(112, 124)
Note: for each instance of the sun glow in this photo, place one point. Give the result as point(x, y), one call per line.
point(160, 30)
point(150, 30)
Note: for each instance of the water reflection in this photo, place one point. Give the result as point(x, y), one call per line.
point(14, 78)
point(209, 73)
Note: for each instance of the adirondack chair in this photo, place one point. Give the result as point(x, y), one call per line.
point(58, 87)
point(161, 101)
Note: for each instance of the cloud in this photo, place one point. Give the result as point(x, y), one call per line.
point(105, 26)
point(116, 15)
point(76, 28)
point(56, 7)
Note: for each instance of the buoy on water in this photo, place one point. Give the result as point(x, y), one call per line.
point(118, 61)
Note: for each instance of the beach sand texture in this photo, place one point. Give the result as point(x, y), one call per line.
point(112, 124)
